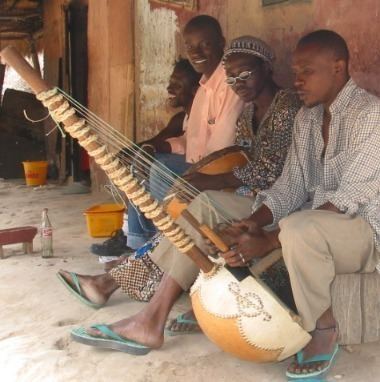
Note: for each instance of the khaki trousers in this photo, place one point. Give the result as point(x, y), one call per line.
point(317, 245)
point(177, 265)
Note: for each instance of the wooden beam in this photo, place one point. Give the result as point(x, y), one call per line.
point(2, 72)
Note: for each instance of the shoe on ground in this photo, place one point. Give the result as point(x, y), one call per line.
point(116, 245)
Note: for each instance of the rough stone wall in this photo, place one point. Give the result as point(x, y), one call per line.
point(155, 54)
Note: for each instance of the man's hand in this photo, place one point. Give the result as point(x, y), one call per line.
point(250, 245)
point(143, 160)
point(227, 233)
point(147, 149)
point(248, 225)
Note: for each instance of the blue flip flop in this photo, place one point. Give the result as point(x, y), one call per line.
point(317, 358)
point(77, 292)
point(182, 320)
point(112, 341)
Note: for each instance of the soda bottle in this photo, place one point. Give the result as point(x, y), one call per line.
point(46, 235)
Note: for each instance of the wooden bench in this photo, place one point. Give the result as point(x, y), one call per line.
point(24, 235)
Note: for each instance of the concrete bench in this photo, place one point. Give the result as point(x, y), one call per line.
point(355, 303)
point(24, 235)
point(356, 306)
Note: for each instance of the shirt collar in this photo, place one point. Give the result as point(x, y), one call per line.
point(343, 98)
point(217, 75)
point(340, 102)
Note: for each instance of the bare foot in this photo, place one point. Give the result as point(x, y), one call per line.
point(139, 328)
point(96, 289)
point(147, 326)
point(323, 342)
point(184, 323)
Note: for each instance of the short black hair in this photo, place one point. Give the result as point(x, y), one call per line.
point(327, 40)
point(205, 21)
point(184, 65)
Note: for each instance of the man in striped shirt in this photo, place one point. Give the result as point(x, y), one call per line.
point(334, 163)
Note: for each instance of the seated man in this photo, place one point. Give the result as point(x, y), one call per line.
point(183, 84)
point(334, 157)
point(265, 125)
point(210, 125)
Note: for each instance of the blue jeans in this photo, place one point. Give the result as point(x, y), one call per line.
point(141, 229)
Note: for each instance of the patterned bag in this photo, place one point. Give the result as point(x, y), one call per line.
point(138, 276)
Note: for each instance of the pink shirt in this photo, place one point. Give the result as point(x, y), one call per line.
point(212, 120)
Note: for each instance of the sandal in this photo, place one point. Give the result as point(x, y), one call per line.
point(182, 320)
point(329, 358)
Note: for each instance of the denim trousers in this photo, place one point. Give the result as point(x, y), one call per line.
point(141, 229)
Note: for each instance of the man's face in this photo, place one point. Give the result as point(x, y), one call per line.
point(180, 89)
point(204, 49)
point(315, 73)
point(252, 73)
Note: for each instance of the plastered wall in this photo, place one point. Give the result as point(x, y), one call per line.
point(158, 38)
point(358, 21)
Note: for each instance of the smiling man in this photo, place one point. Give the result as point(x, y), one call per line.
point(183, 84)
point(211, 122)
point(216, 108)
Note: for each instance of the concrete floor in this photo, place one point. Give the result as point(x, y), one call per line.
point(37, 314)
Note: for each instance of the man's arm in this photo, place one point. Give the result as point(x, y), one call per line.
point(159, 143)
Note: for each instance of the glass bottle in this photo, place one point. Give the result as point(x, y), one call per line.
point(46, 235)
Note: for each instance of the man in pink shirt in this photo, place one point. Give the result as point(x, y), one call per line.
point(216, 108)
point(211, 122)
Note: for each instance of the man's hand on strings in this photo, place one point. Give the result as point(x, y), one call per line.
point(250, 245)
point(142, 160)
point(126, 155)
point(227, 233)
point(148, 150)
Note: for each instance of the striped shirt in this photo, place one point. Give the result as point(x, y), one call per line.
point(347, 175)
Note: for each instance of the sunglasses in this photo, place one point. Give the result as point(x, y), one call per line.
point(243, 76)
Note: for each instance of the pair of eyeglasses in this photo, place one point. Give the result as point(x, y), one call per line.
point(243, 76)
